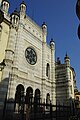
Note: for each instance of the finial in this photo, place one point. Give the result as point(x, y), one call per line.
point(58, 60)
point(15, 12)
point(6, 1)
point(66, 56)
point(43, 23)
point(23, 2)
point(51, 40)
point(52, 44)
point(44, 27)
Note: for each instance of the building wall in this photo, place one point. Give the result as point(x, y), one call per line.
point(64, 82)
point(3, 39)
point(3, 44)
point(16, 37)
point(72, 82)
point(77, 99)
point(61, 83)
point(0, 1)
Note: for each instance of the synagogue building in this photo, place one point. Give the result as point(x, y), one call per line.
point(27, 63)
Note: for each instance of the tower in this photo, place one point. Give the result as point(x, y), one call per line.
point(22, 9)
point(15, 18)
point(70, 82)
point(67, 60)
point(52, 46)
point(9, 57)
point(5, 6)
point(67, 64)
point(44, 31)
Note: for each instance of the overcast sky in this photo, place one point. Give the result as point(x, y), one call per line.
point(62, 23)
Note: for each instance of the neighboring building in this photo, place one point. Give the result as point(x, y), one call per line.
point(65, 76)
point(77, 99)
point(77, 96)
point(27, 63)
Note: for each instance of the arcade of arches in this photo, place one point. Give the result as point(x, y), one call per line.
point(27, 98)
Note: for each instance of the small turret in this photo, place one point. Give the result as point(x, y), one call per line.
point(15, 18)
point(44, 27)
point(58, 61)
point(67, 60)
point(44, 31)
point(52, 44)
point(5, 5)
point(22, 8)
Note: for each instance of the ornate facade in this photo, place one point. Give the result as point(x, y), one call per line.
point(27, 63)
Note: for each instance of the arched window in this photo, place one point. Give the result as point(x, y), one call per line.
point(29, 95)
point(48, 70)
point(77, 98)
point(77, 102)
point(37, 96)
point(47, 100)
point(19, 98)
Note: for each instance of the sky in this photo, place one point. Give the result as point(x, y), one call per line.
point(62, 23)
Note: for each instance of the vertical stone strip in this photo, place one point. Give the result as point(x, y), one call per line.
point(44, 27)
point(53, 87)
point(6, 79)
point(67, 64)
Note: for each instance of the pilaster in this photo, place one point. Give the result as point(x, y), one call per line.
point(43, 60)
point(67, 67)
point(69, 82)
point(53, 87)
point(6, 78)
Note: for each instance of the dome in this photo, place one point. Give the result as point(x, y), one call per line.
point(51, 40)
point(5, 1)
point(15, 13)
point(66, 56)
point(44, 24)
point(23, 2)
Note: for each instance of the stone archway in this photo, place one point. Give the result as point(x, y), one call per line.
point(19, 98)
point(47, 100)
point(29, 95)
point(37, 96)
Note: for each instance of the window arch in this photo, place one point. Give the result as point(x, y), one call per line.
point(48, 70)
point(77, 98)
point(29, 95)
point(37, 96)
point(47, 100)
point(19, 93)
point(19, 98)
